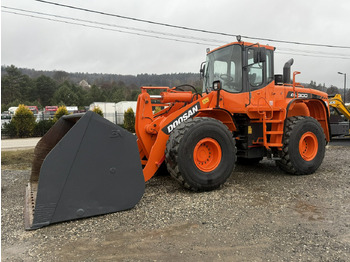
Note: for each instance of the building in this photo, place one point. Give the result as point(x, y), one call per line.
point(122, 107)
point(114, 112)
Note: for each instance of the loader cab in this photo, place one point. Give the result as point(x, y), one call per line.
point(240, 68)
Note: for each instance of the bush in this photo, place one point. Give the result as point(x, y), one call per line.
point(98, 110)
point(129, 120)
point(9, 130)
point(61, 111)
point(157, 109)
point(42, 127)
point(24, 121)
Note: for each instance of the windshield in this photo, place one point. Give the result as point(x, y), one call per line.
point(225, 65)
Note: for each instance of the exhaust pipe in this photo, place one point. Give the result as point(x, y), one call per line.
point(83, 166)
point(286, 71)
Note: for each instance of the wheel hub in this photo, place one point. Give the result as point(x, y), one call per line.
point(308, 146)
point(207, 154)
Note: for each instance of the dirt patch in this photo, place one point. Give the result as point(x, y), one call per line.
point(17, 160)
point(260, 214)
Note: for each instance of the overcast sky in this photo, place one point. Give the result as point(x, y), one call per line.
point(48, 45)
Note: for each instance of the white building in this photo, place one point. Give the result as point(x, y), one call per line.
point(108, 110)
point(114, 112)
point(122, 107)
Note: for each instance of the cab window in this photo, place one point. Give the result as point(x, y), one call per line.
point(255, 71)
point(225, 65)
point(269, 66)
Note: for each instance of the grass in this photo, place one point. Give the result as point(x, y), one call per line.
point(19, 159)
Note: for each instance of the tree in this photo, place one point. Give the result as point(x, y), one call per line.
point(44, 89)
point(24, 121)
point(61, 111)
point(157, 109)
point(312, 85)
point(15, 85)
point(42, 127)
point(95, 94)
point(348, 96)
point(9, 129)
point(80, 94)
point(324, 88)
point(118, 95)
point(333, 90)
point(65, 95)
point(133, 95)
point(98, 110)
point(61, 76)
point(129, 120)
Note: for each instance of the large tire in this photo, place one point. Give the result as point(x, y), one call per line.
point(201, 154)
point(304, 146)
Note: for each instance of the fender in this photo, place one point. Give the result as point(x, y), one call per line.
point(316, 108)
point(220, 114)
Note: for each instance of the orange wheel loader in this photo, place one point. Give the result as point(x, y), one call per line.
point(86, 166)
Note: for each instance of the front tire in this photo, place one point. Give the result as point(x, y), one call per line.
point(201, 154)
point(304, 146)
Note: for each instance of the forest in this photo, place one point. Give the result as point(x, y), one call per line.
point(42, 88)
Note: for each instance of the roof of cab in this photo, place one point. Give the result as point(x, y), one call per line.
point(243, 43)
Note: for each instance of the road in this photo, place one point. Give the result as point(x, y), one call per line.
point(20, 143)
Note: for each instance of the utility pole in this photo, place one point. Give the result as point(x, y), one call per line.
point(340, 73)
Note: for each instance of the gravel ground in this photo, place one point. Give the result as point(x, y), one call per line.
point(260, 214)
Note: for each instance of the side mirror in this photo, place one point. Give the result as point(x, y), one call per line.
point(202, 70)
point(260, 55)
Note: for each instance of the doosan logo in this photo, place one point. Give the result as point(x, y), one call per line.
point(181, 118)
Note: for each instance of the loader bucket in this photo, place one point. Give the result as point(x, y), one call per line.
point(83, 166)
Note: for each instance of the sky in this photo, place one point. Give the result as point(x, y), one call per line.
point(43, 44)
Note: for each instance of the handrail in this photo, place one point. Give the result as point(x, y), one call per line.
point(294, 83)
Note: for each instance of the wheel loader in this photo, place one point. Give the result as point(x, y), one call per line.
point(87, 166)
point(339, 116)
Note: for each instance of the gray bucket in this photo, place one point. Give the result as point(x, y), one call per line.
point(83, 166)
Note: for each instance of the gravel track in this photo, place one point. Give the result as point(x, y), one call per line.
point(260, 214)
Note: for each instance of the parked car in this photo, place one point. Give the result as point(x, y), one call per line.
point(5, 119)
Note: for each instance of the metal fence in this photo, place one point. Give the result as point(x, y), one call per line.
point(116, 118)
point(44, 122)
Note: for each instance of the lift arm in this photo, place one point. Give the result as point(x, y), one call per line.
point(338, 103)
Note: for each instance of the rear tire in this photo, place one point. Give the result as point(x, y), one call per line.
point(201, 154)
point(303, 146)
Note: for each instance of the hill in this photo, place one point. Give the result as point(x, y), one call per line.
point(41, 88)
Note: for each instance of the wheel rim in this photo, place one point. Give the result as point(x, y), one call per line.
point(308, 146)
point(207, 154)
